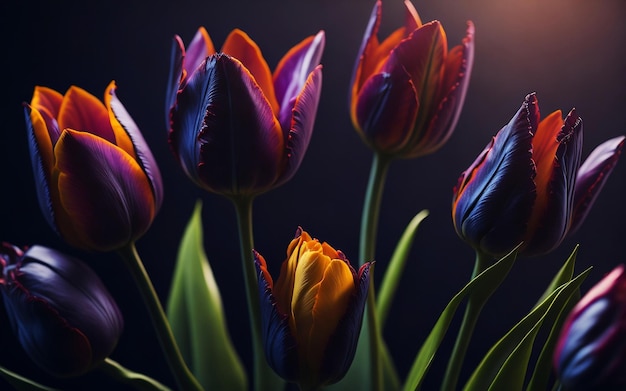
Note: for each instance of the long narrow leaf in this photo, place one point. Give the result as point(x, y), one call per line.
point(22, 383)
point(395, 269)
point(195, 312)
point(564, 275)
point(484, 282)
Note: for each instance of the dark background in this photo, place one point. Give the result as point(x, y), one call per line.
point(568, 51)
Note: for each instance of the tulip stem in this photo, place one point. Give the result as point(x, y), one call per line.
point(367, 250)
point(138, 380)
point(183, 376)
point(264, 377)
point(473, 308)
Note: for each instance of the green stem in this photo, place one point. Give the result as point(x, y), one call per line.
point(367, 250)
point(137, 380)
point(474, 306)
point(264, 377)
point(183, 376)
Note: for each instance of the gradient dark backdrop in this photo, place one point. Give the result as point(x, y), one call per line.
point(568, 51)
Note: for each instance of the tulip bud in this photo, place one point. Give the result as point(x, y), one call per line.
point(591, 351)
point(311, 317)
point(59, 310)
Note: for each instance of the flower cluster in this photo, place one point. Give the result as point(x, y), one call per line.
point(239, 130)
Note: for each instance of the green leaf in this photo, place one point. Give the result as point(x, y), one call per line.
point(22, 383)
point(195, 312)
point(504, 366)
point(564, 275)
point(482, 284)
point(395, 269)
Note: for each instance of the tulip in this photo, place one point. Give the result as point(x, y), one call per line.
point(236, 128)
point(98, 184)
point(59, 310)
point(311, 317)
point(408, 90)
point(591, 350)
point(528, 185)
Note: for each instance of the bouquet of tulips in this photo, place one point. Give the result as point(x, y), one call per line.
point(240, 129)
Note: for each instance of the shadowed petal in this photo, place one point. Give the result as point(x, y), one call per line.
point(369, 43)
point(198, 50)
point(301, 125)
point(592, 176)
point(239, 45)
point(412, 19)
point(174, 78)
point(104, 192)
point(82, 111)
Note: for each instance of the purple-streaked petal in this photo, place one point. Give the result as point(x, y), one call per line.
point(105, 196)
point(174, 78)
point(342, 344)
point(141, 149)
point(197, 51)
point(280, 346)
point(293, 71)
point(369, 42)
point(301, 125)
point(241, 141)
point(493, 207)
point(592, 176)
point(387, 108)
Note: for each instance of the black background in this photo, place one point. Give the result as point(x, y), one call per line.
point(568, 51)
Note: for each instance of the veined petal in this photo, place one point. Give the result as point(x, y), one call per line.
point(300, 125)
point(174, 79)
point(103, 192)
point(241, 142)
point(386, 109)
point(592, 176)
point(453, 88)
point(552, 211)
point(292, 72)
point(492, 209)
point(280, 346)
point(84, 112)
point(240, 46)
point(126, 129)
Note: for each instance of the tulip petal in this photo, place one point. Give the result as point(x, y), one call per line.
point(240, 146)
point(453, 89)
point(240, 46)
point(361, 69)
point(387, 108)
point(301, 125)
point(41, 158)
point(174, 79)
point(280, 346)
point(197, 51)
point(342, 344)
point(105, 194)
point(292, 73)
point(592, 176)
point(127, 129)
point(82, 111)
point(412, 19)
point(491, 209)
point(48, 102)
point(552, 212)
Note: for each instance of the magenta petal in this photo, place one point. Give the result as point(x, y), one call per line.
point(302, 123)
point(142, 150)
point(293, 75)
point(241, 143)
point(173, 82)
point(592, 176)
point(196, 53)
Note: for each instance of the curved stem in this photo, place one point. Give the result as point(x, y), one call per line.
point(137, 380)
point(183, 376)
point(367, 250)
point(475, 304)
point(264, 377)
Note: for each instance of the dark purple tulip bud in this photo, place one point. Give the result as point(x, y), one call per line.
point(591, 352)
point(59, 310)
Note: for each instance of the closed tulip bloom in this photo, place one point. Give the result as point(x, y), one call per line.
point(59, 310)
point(235, 127)
point(311, 316)
point(98, 184)
point(528, 184)
point(591, 350)
point(408, 90)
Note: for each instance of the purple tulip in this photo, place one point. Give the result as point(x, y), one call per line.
point(591, 351)
point(59, 310)
point(528, 184)
point(236, 128)
point(98, 184)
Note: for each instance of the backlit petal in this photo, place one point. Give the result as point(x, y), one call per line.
point(48, 102)
point(84, 112)
point(362, 70)
point(198, 50)
point(240, 46)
